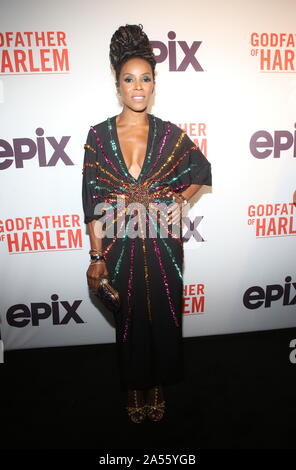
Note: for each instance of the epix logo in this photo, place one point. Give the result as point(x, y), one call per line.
point(256, 296)
point(263, 143)
point(170, 51)
point(20, 315)
point(26, 149)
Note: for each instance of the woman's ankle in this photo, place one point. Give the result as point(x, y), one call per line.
point(136, 397)
point(154, 395)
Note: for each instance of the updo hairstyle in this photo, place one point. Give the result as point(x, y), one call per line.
point(127, 42)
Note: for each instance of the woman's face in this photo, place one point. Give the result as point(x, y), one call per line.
point(136, 84)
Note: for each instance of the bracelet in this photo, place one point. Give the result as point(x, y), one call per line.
point(95, 251)
point(97, 257)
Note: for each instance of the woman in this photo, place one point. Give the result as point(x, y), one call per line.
point(137, 159)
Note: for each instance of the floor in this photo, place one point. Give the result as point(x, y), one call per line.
point(239, 393)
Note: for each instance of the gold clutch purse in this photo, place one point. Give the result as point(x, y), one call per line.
point(108, 295)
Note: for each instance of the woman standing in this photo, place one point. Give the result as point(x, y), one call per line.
point(144, 161)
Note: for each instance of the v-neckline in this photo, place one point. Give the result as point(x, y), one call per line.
point(121, 153)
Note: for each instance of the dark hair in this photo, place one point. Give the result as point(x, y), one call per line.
point(127, 42)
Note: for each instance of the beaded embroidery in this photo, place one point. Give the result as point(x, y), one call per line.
point(151, 186)
point(87, 146)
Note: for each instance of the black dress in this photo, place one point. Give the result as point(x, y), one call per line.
point(144, 258)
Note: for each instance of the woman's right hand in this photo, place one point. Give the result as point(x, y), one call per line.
point(94, 273)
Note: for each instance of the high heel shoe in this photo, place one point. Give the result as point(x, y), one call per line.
point(136, 413)
point(156, 408)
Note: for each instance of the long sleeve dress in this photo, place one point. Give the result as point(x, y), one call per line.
point(144, 256)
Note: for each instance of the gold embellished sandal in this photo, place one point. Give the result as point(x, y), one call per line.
point(136, 413)
point(156, 411)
